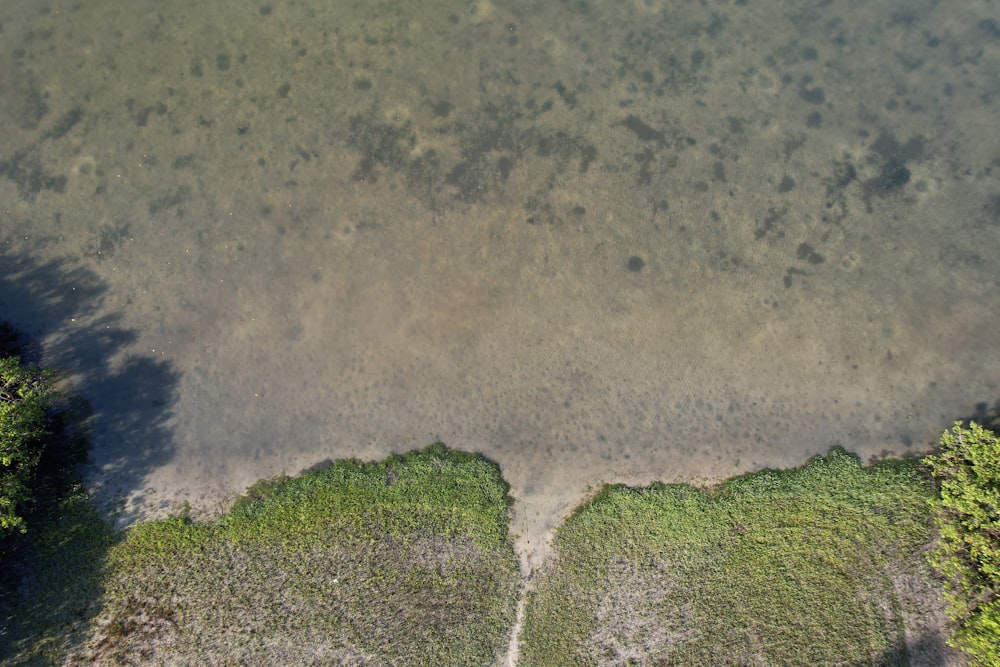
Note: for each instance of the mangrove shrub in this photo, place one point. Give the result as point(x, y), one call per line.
point(25, 397)
point(967, 514)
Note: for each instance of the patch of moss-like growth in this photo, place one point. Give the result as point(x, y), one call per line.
point(404, 561)
point(814, 566)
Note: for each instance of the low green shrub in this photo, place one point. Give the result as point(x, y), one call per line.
point(967, 516)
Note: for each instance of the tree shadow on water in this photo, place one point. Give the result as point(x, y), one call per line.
point(61, 307)
point(986, 415)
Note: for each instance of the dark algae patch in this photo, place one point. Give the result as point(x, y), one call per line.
point(807, 253)
point(65, 123)
point(26, 172)
point(891, 158)
point(643, 131)
point(483, 146)
point(816, 566)
point(814, 95)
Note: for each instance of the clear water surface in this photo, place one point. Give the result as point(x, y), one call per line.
point(597, 241)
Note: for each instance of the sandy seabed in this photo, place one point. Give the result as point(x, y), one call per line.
point(605, 241)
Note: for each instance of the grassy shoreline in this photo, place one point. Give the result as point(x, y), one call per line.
point(409, 561)
point(822, 564)
point(403, 561)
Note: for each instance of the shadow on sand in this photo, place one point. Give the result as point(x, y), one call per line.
point(60, 309)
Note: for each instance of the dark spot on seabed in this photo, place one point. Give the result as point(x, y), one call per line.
point(588, 153)
point(635, 263)
point(25, 171)
point(567, 96)
point(441, 109)
point(844, 174)
point(892, 176)
point(504, 165)
point(893, 173)
point(792, 271)
point(171, 199)
point(643, 131)
point(992, 208)
point(488, 143)
point(811, 95)
point(106, 240)
point(65, 123)
point(771, 222)
point(889, 148)
point(807, 253)
point(719, 172)
point(380, 144)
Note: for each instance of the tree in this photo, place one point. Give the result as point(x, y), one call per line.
point(25, 398)
point(967, 515)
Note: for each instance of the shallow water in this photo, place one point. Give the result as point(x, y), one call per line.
point(597, 241)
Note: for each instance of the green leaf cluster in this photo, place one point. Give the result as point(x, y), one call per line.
point(967, 515)
point(25, 397)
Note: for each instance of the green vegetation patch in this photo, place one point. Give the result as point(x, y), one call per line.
point(406, 561)
point(967, 514)
point(52, 541)
point(25, 398)
point(819, 565)
point(57, 574)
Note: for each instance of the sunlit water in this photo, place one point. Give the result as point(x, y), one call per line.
point(596, 241)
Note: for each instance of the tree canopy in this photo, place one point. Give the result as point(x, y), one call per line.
point(25, 397)
point(967, 514)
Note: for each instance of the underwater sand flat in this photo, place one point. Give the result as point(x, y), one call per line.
point(594, 241)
